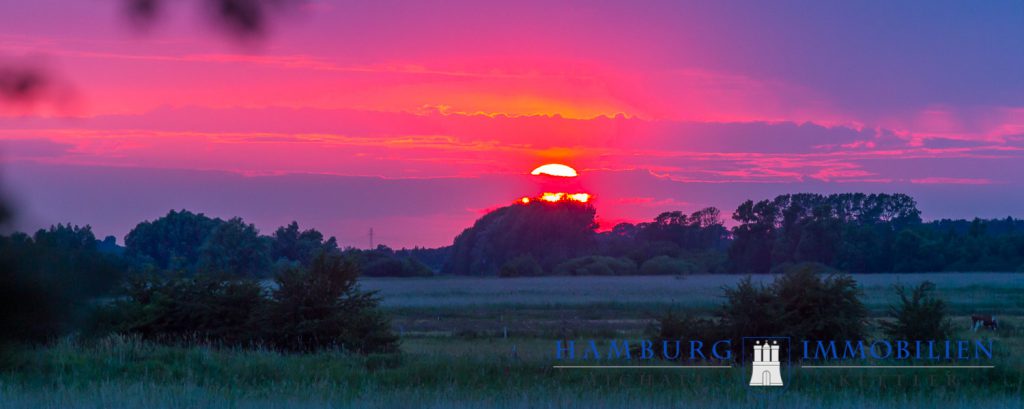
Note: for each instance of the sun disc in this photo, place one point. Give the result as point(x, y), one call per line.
point(555, 169)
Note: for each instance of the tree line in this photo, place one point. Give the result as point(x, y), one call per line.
point(854, 232)
point(865, 233)
point(186, 278)
point(191, 243)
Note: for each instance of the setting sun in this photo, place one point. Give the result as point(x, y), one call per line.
point(554, 197)
point(555, 169)
point(557, 189)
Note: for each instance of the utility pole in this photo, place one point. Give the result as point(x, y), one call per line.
point(371, 238)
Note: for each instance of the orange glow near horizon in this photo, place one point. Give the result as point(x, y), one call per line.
point(554, 197)
point(580, 197)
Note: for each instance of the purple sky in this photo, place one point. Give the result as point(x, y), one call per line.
point(414, 119)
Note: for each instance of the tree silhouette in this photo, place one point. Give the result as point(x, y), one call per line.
point(234, 248)
point(303, 246)
point(548, 232)
point(171, 242)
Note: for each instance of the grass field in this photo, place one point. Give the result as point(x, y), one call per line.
point(546, 305)
point(476, 343)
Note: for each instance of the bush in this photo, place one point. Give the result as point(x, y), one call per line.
point(521, 266)
point(597, 266)
point(202, 309)
point(321, 307)
point(706, 262)
point(816, 308)
point(311, 308)
point(685, 328)
point(799, 304)
point(31, 310)
point(396, 267)
point(919, 315)
point(750, 310)
point(665, 265)
point(47, 280)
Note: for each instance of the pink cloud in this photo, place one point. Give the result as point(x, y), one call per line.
point(951, 181)
point(411, 145)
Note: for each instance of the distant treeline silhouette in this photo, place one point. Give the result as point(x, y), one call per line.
point(189, 277)
point(855, 232)
point(190, 243)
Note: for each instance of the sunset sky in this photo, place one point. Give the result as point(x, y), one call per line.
point(415, 118)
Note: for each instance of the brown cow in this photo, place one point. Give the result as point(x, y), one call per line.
point(987, 321)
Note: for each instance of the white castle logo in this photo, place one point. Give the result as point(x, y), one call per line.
point(766, 365)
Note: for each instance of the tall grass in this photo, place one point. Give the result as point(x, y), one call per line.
point(468, 360)
point(125, 372)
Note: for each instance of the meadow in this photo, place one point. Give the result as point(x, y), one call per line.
point(485, 342)
point(540, 305)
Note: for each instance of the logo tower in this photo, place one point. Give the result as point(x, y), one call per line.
point(766, 365)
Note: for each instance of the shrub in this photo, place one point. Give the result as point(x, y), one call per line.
point(706, 262)
point(47, 280)
point(750, 310)
point(685, 328)
point(918, 315)
point(203, 309)
point(597, 266)
point(665, 265)
point(384, 267)
point(414, 268)
point(31, 310)
point(312, 308)
point(799, 304)
point(396, 267)
point(321, 307)
point(521, 266)
point(816, 308)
